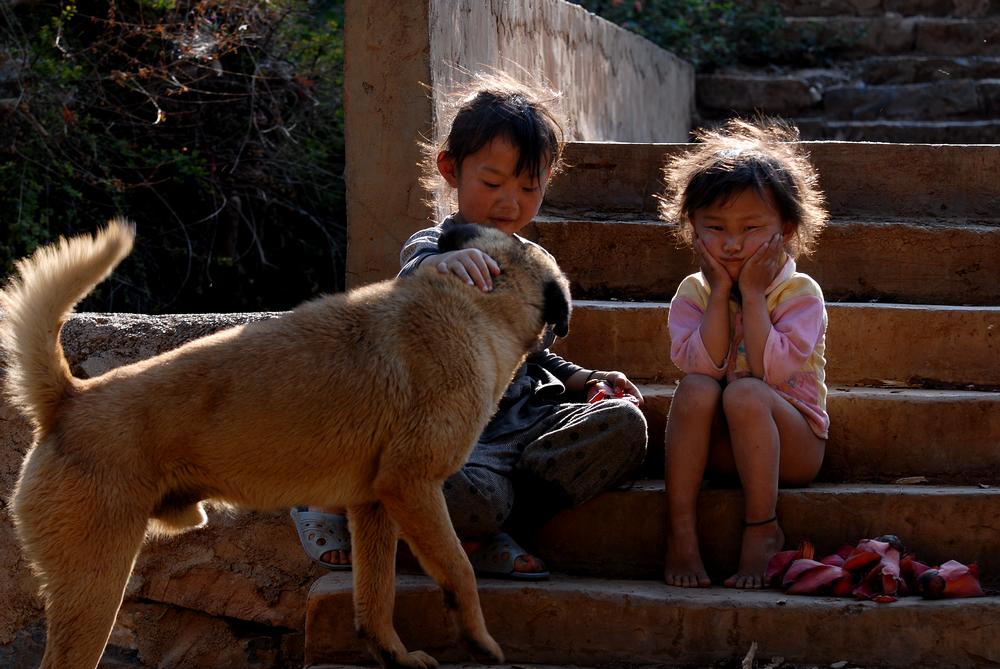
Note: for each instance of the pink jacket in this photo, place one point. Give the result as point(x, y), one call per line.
point(793, 355)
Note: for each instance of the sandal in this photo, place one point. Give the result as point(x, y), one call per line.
point(496, 557)
point(321, 533)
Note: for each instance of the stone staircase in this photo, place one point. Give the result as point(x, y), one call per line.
point(910, 266)
point(909, 71)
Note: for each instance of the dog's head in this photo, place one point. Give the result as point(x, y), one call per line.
point(524, 268)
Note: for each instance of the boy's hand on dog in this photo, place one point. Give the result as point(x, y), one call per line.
point(471, 265)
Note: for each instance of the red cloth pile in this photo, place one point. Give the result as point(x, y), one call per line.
point(880, 569)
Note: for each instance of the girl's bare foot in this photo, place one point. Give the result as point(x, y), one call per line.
point(760, 543)
point(683, 567)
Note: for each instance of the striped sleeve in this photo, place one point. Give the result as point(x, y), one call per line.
point(687, 349)
point(420, 245)
point(798, 321)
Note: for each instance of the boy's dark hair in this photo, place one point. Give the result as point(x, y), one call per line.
point(764, 156)
point(495, 106)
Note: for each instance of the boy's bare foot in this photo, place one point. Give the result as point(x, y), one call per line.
point(683, 567)
point(500, 556)
point(341, 557)
point(760, 543)
point(324, 536)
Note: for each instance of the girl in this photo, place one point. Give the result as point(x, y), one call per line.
point(545, 448)
point(748, 331)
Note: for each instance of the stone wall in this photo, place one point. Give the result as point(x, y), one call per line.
point(229, 595)
point(403, 58)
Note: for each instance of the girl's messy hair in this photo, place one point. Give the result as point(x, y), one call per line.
point(493, 105)
point(763, 155)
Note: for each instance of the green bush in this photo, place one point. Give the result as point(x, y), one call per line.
point(715, 33)
point(215, 124)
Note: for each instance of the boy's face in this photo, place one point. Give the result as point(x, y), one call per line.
point(489, 193)
point(734, 230)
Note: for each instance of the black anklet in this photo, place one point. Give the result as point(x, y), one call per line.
point(760, 522)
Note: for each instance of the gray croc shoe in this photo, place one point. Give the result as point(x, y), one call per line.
point(496, 557)
point(320, 533)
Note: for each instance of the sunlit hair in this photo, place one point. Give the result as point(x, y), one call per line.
point(764, 155)
point(493, 105)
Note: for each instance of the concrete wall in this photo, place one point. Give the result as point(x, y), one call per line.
point(617, 87)
point(387, 110)
point(403, 58)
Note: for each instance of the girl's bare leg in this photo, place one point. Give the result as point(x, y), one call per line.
point(772, 443)
point(695, 405)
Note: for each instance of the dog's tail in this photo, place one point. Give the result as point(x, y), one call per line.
point(37, 302)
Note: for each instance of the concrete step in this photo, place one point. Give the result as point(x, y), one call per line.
point(953, 8)
point(867, 344)
point(902, 132)
point(906, 69)
point(778, 95)
point(722, 95)
point(601, 622)
point(955, 181)
point(936, 261)
point(892, 33)
point(883, 435)
point(954, 99)
point(621, 533)
point(459, 665)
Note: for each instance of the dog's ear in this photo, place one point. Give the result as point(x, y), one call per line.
point(557, 307)
point(458, 237)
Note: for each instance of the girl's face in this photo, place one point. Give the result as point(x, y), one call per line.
point(489, 193)
point(733, 231)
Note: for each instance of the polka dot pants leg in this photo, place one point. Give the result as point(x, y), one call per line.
point(588, 447)
point(479, 500)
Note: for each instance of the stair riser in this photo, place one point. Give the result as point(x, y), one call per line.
point(937, 523)
point(782, 96)
point(932, 264)
point(893, 34)
point(957, 8)
point(866, 344)
point(905, 132)
point(721, 96)
point(624, 623)
point(883, 437)
point(960, 181)
point(915, 69)
point(927, 102)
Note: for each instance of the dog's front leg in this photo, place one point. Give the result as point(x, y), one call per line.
point(373, 555)
point(419, 508)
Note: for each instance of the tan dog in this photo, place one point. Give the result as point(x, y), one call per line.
point(367, 400)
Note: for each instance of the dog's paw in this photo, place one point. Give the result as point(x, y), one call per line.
point(418, 659)
point(485, 650)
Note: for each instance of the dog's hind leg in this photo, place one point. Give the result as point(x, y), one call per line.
point(373, 558)
point(83, 550)
point(419, 509)
point(82, 599)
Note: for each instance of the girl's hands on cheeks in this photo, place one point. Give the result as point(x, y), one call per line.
point(718, 278)
point(471, 265)
point(760, 269)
